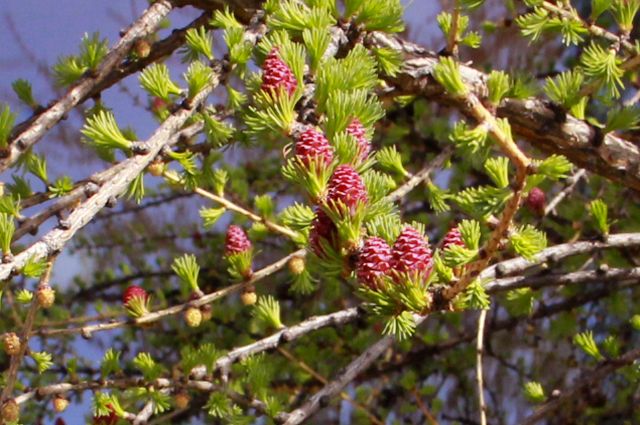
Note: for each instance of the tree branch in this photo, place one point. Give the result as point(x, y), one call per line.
point(30, 133)
point(536, 120)
point(57, 238)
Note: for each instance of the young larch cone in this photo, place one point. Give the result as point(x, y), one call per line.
point(410, 252)
point(453, 237)
point(277, 75)
point(357, 130)
point(312, 145)
point(346, 186)
point(132, 292)
point(109, 419)
point(236, 241)
point(322, 228)
point(374, 261)
point(536, 200)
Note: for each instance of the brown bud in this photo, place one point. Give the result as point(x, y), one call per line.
point(249, 296)
point(193, 317)
point(60, 404)
point(10, 411)
point(46, 296)
point(142, 48)
point(296, 265)
point(182, 400)
point(11, 344)
point(207, 312)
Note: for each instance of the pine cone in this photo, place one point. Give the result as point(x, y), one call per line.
point(346, 186)
point(356, 129)
point(411, 252)
point(536, 201)
point(236, 241)
point(374, 261)
point(276, 75)
point(453, 237)
point(322, 228)
point(312, 145)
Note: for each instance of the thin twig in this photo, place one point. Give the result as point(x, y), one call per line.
point(571, 184)
point(172, 177)
point(479, 377)
point(178, 308)
point(420, 176)
point(423, 408)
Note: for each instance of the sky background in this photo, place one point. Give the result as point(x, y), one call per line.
point(34, 33)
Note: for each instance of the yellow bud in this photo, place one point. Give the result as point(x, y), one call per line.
point(296, 265)
point(193, 317)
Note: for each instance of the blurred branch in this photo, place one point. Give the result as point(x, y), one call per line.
point(323, 397)
point(420, 176)
point(587, 379)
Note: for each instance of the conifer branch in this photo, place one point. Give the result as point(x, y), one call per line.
point(286, 334)
point(176, 309)
point(57, 238)
point(534, 119)
point(595, 30)
point(87, 188)
point(16, 360)
point(556, 253)
point(27, 136)
point(614, 276)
